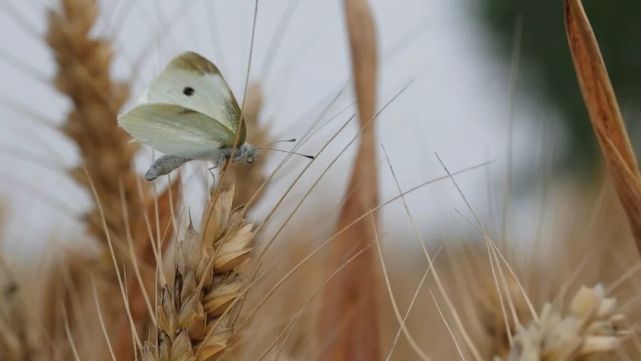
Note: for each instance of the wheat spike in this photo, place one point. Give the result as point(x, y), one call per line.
point(194, 322)
point(590, 326)
point(107, 158)
point(83, 75)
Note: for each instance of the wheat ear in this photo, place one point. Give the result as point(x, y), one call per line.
point(589, 327)
point(194, 322)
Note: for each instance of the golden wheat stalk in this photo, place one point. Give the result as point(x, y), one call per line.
point(194, 322)
point(604, 112)
point(359, 338)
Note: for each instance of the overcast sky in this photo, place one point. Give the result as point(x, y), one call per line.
point(458, 105)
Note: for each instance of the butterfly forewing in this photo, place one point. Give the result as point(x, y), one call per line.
point(176, 130)
point(193, 82)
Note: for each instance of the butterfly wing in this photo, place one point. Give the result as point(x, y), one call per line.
point(176, 130)
point(193, 82)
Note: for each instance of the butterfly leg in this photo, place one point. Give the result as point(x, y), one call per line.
point(213, 175)
point(221, 159)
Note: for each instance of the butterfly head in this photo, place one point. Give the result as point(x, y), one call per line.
point(248, 153)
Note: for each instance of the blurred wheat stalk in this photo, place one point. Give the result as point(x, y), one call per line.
point(349, 326)
point(604, 112)
point(107, 169)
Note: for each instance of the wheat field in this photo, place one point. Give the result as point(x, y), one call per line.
point(290, 258)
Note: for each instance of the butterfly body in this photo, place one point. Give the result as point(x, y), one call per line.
point(189, 112)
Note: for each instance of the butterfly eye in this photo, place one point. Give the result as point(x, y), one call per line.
point(188, 91)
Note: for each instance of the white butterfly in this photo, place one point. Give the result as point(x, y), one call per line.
point(188, 113)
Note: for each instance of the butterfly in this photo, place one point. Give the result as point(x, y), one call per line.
point(189, 113)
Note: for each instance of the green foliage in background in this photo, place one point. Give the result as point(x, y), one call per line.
point(544, 48)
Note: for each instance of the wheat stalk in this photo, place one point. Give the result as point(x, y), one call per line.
point(605, 115)
point(194, 322)
point(358, 339)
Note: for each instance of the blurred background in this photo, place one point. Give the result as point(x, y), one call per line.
point(549, 69)
point(489, 80)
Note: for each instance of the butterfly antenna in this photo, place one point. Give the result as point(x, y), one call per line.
point(281, 141)
point(287, 151)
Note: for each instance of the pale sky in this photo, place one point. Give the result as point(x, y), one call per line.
point(457, 105)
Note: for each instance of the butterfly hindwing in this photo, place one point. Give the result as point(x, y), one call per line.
point(193, 82)
point(176, 130)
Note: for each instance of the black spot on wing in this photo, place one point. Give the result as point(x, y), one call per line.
point(189, 91)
